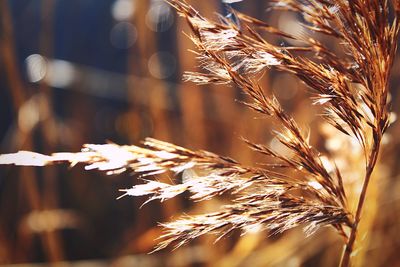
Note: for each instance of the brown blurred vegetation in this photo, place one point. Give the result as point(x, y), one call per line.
point(61, 214)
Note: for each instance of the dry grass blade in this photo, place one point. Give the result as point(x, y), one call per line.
point(205, 176)
point(264, 211)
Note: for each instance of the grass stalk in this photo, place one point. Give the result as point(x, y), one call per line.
point(346, 258)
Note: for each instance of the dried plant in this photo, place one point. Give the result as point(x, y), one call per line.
point(352, 87)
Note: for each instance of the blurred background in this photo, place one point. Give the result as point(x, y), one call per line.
point(91, 71)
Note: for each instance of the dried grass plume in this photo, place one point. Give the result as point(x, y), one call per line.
point(352, 87)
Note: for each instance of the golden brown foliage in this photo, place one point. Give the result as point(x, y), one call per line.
point(352, 87)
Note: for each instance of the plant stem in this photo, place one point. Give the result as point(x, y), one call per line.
point(369, 169)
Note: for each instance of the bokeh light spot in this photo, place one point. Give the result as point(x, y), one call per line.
point(61, 73)
point(162, 65)
point(123, 9)
point(123, 35)
point(159, 18)
point(35, 67)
